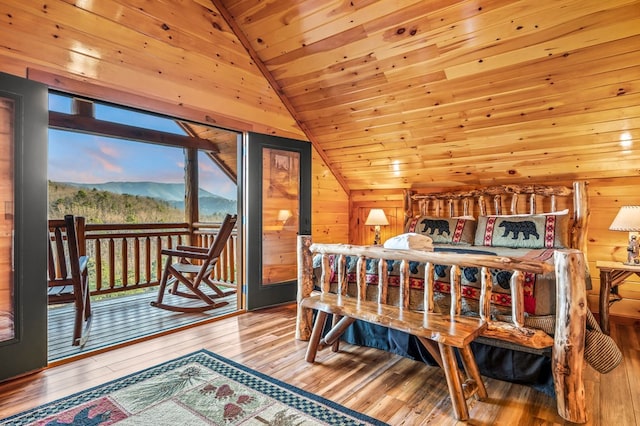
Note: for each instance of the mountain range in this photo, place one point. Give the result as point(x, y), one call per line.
point(173, 193)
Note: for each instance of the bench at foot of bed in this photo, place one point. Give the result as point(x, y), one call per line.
point(441, 334)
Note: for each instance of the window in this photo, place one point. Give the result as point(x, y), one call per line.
point(111, 179)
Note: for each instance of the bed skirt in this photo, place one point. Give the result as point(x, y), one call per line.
point(497, 362)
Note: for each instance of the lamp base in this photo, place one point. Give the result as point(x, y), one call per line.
point(376, 238)
point(632, 251)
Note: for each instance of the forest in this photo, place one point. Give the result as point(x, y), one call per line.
point(99, 206)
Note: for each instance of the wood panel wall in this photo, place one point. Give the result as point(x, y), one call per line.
point(174, 58)
point(181, 58)
point(606, 196)
point(329, 205)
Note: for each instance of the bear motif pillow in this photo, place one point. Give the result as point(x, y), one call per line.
point(444, 230)
point(530, 231)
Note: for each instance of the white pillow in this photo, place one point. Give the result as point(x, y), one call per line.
point(410, 241)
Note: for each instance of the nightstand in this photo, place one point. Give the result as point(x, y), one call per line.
point(612, 274)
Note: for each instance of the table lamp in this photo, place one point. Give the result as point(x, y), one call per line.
point(376, 218)
point(628, 219)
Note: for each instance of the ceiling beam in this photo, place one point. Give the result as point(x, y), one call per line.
point(88, 124)
point(213, 156)
point(226, 15)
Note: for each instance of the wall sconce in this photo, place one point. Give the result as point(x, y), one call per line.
point(283, 216)
point(628, 219)
point(376, 218)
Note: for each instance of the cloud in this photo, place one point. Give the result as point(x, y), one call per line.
point(107, 158)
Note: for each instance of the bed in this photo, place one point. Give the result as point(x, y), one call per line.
point(536, 308)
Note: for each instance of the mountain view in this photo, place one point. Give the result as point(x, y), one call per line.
point(132, 202)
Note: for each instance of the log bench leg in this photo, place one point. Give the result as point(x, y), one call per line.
point(335, 347)
point(452, 374)
point(316, 335)
point(332, 337)
point(473, 372)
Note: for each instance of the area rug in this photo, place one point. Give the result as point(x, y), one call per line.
point(201, 388)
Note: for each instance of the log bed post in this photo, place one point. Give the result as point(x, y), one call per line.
point(581, 215)
point(568, 347)
point(304, 316)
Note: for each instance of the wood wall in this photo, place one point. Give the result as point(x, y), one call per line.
point(175, 58)
point(181, 58)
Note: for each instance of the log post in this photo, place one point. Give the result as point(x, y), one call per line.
point(343, 283)
point(404, 285)
point(191, 185)
point(517, 298)
point(325, 277)
point(383, 281)
point(455, 277)
point(485, 294)
point(428, 303)
point(304, 318)
point(581, 216)
point(361, 277)
point(407, 204)
point(568, 346)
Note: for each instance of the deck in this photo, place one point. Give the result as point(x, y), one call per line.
point(122, 320)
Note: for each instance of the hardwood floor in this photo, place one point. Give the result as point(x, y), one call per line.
point(393, 389)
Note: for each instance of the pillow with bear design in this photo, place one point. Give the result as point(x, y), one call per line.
point(444, 230)
point(530, 231)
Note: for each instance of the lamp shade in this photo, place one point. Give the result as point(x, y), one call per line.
point(627, 219)
point(376, 217)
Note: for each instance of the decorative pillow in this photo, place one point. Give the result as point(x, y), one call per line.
point(444, 230)
point(530, 231)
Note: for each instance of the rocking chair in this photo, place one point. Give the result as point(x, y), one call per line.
point(192, 275)
point(67, 270)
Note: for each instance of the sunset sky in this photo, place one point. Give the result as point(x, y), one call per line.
point(99, 159)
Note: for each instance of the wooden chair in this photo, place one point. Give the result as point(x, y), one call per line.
point(67, 270)
point(191, 275)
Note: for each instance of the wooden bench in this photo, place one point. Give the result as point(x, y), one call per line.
point(442, 333)
point(439, 333)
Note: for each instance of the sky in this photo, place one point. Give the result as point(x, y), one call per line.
point(99, 159)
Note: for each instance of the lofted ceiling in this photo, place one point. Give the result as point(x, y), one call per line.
point(445, 93)
point(392, 93)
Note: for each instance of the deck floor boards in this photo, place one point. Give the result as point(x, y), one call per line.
point(122, 320)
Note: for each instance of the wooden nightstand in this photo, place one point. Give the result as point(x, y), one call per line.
point(612, 274)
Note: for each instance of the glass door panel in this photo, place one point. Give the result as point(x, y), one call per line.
point(277, 207)
point(7, 323)
point(23, 226)
point(280, 209)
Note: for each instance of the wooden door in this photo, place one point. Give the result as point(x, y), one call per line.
point(277, 209)
point(23, 226)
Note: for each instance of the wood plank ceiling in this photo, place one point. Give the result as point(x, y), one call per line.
point(446, 93)
point(392, 93)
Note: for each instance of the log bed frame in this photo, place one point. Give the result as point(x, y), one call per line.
point(569, 266)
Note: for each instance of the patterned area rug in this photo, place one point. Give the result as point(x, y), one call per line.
point(201, 388)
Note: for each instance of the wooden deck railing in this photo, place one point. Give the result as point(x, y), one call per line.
point(126, 257)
